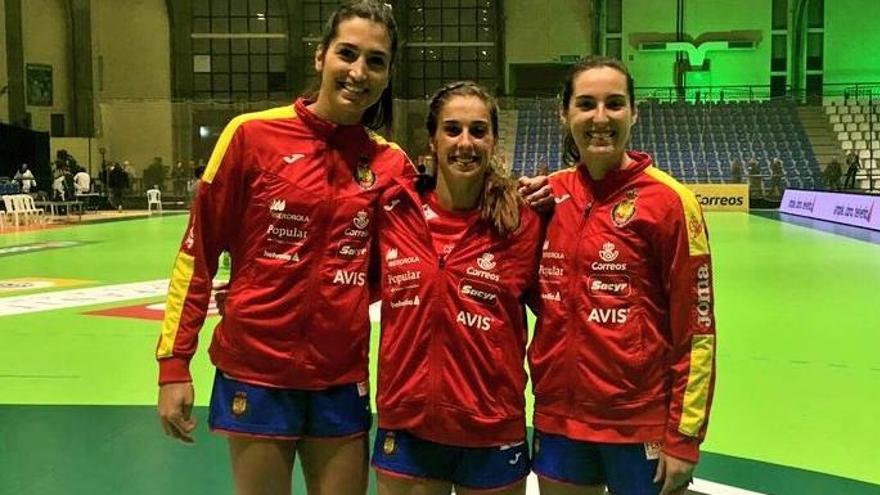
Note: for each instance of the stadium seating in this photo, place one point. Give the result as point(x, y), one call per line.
point(693, 142)
point(856, 122)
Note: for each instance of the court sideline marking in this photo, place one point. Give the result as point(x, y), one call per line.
point(73, 298)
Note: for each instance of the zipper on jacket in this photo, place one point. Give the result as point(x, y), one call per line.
point(435, 355)
point(574, 275)
point(329, 215)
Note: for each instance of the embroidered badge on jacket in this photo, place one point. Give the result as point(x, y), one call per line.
point(364, 175)
point(625, 210)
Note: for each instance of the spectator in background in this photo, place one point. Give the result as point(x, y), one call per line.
point(118, 183)
point(852, 168)
point(736, 171)
point(25, 179)
point(833, 173)
point(192, 186)
point(178, 178)
point(129, 173)
point(82, 182)
point(777, 172)
point(58, 192)
point(756, 184)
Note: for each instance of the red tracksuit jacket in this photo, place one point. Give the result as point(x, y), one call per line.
point(451, 359)
point(624, 345)
point(291, 197)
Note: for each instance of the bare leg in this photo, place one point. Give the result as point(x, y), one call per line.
point(261, 466)
point(392, 485)
point(548, 487)
point(335, 466)
point(517, 489)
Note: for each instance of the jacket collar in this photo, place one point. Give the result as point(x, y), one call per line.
point(615, 179)
point(344, 135)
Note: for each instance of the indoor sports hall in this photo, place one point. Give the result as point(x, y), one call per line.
point(135, 94)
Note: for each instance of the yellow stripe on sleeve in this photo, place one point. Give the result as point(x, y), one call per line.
point(696, 395)
point(177, 289)
point(375, 136)
point(285, 112)
point(698, 241)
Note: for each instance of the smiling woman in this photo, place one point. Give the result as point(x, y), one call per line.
point(354, 61)
point(457, 260)
point(275, 396)
point(642, 339)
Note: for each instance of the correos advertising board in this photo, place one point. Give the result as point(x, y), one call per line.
point(722, 197)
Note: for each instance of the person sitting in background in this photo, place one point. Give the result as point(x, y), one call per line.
point(777, 172)
point(58, 193)
point(736, 171)
point(756, 185)
point(25, 179)
point(82, 182)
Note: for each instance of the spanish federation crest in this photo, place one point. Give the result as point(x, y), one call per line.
point(239, 403)
point(625, 210)
point(364, 175)
point(389, 446)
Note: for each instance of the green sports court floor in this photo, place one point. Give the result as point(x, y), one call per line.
point(796, 408)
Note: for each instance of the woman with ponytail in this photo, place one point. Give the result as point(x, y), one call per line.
point(458, 251)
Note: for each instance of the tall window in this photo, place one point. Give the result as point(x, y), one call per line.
point(239, 50)
point(314, 14)
point(449, 40)
point(614, 29)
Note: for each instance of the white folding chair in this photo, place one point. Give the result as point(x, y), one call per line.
point(154, 197)
point(21, 207)
point(31, 208)
point(11, 210)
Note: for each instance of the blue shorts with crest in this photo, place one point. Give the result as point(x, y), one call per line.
point(254, 410)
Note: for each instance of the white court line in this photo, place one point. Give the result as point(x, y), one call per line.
point(63, 299)
point(701, 486)
point(712, 488)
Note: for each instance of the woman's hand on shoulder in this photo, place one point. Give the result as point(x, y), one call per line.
point(537, 192)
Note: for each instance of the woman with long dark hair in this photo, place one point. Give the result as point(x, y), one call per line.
point(289, 193)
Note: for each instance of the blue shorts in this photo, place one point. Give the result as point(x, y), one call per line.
point(401, 454)
point(626, 469)
point(255, 410)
